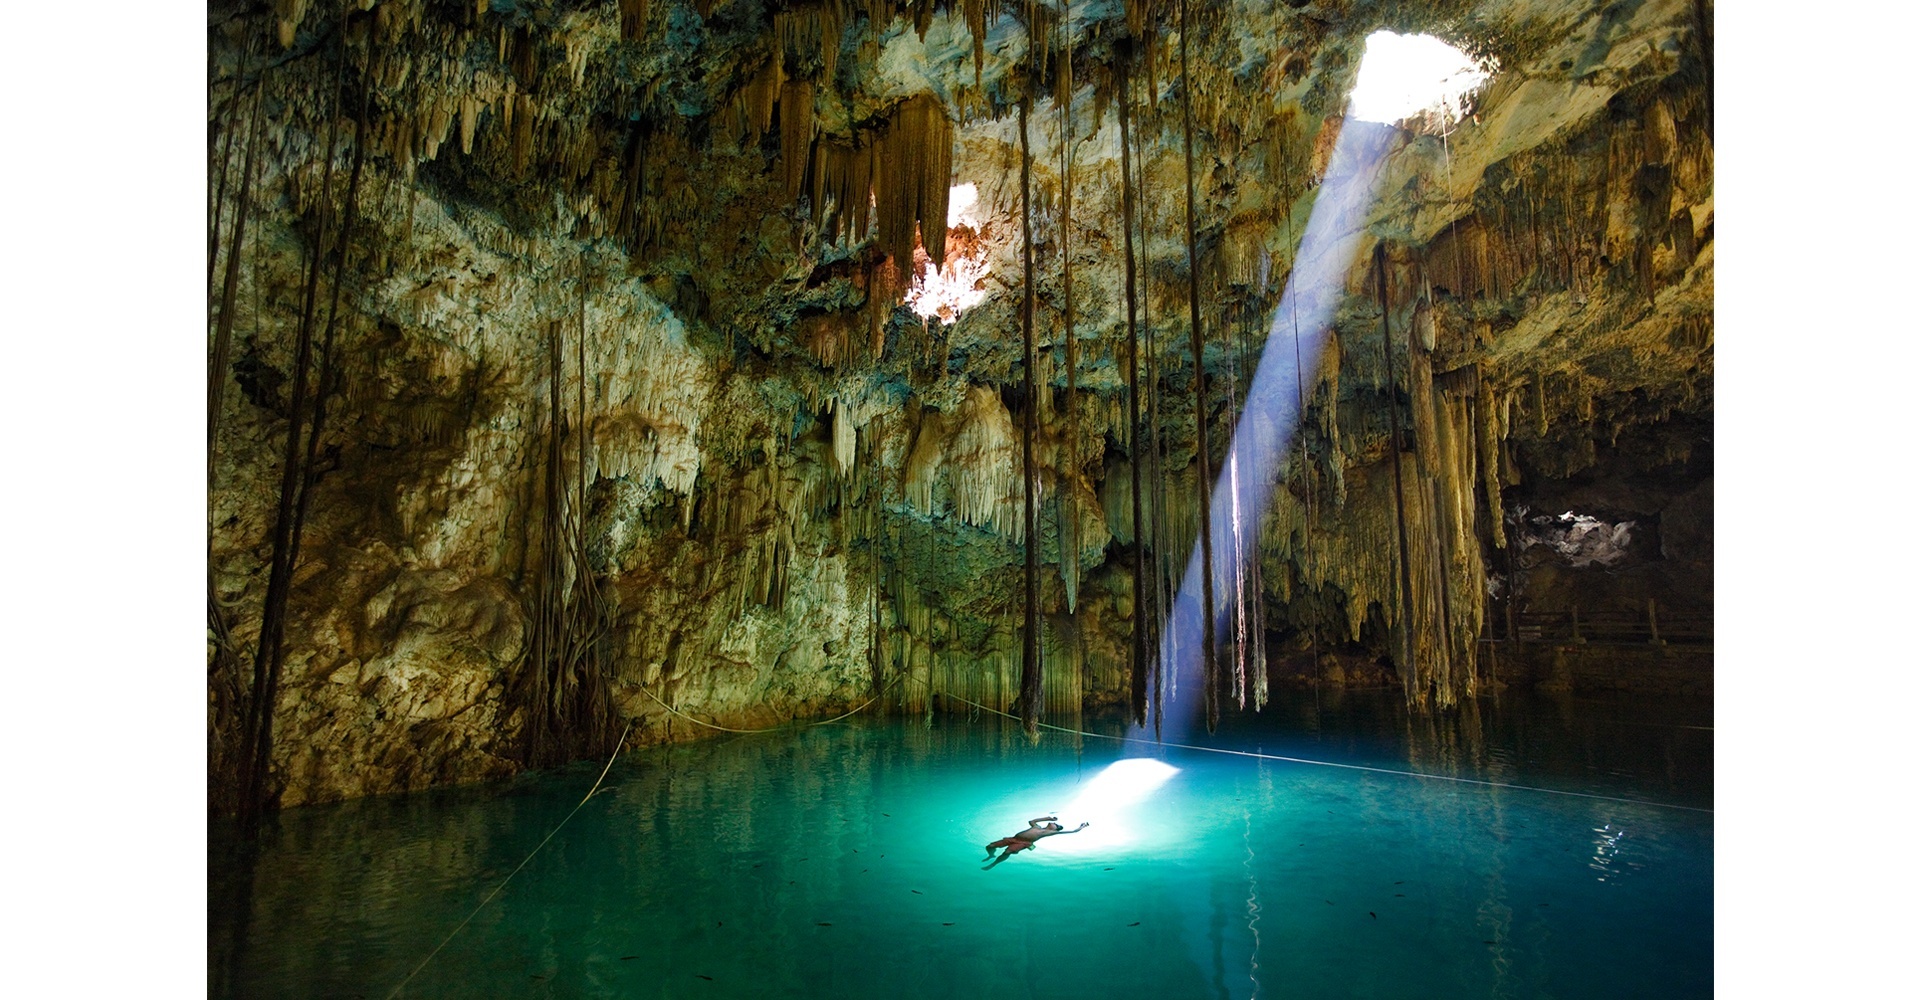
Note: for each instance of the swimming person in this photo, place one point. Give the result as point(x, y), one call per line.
point(1044, 826)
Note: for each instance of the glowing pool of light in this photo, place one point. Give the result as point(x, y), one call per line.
point(1115, 802)
point(845, 860)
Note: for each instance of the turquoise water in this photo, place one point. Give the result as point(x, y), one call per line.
point(845, 860)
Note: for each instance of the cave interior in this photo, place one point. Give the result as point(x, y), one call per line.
point(590, 376)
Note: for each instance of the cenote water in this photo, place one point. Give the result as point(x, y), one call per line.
point(846, 860)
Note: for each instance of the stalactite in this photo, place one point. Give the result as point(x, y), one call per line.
point(1457, 549)
point(975, 12)
point(1145, 610)
point(469, 122)
point(1488, 434)
point(1420, 393)
point(288, 14)
point(1408, 670)
point(1203, 459)
point(522, 124)
point(1070, 465)
point(796, 134)
point(843, 439)
point(633, 220)
point(913, 164)
point(1334, 462)
point(754, 102)
point(1540, 403)
point(633, 19)
point(1030, 688)
point(812, 34)
point(902, 169)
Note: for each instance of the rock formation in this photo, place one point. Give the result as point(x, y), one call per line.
point(600, 310)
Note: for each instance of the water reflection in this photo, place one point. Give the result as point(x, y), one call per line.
point(1606, 851)
point(841, 860)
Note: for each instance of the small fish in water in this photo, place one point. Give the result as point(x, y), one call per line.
point(823, 923)
point(1106, 869)
point(916, 892)
point(628, 958)
point(536, 977)
point(1401, 882)
point(1543, 904)
point(1329, 902)
point(1372, 914)
point(1400, 895)
point(1134, 924)
point(1486, 942)
point(757, 864)
point(887, 815)
point(719, 923)
point(699, 976)
point(948, 923)
point(863, 871)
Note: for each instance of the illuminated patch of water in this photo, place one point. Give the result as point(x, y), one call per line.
point(845, 860)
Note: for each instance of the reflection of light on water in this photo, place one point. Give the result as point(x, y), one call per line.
point(1113, 803)
point(1606, 849)
point(1113, 800)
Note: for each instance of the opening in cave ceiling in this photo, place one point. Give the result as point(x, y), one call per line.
point(1409, 76)
point(947, 291)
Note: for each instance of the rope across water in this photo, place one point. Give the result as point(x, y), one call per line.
point(590, 793)
point(503, 882)
point(1043, 725)
point(770, 729)
point(1328, 763)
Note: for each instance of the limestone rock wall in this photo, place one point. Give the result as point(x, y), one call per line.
point(795, 493)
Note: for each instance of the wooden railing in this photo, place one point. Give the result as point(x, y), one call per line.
point(1614, 628)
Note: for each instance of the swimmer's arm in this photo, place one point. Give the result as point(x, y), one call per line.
point(1042, 819)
